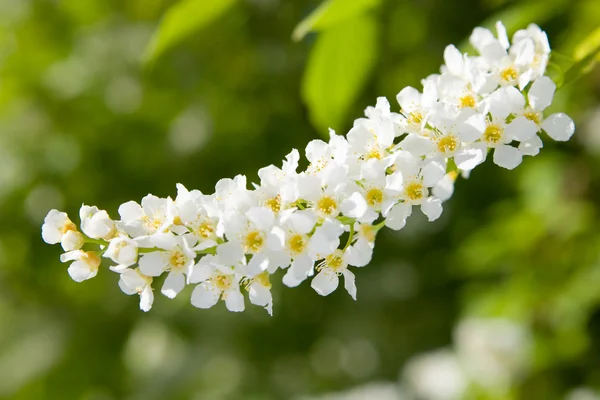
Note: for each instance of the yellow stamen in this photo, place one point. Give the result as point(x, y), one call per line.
point(493, 134)
point(414, 191)
point(327, 205)
point(254, 242)
point(447, 144)
point(374, 197)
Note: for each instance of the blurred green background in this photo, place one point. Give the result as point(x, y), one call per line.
point(499, 299)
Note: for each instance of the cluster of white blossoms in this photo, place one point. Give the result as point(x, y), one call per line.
point(318, 223)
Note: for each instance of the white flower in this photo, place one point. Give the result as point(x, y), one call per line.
point(259, 291)
point(360, 253)
point(177, 259)
point(148, 218)
point(96, 223)
point(216, 281)
point(416, 107)
point(254, 233)
point(58, 228)
point(298, 225)
point(122, 250)
point(278, 187)
point(84, 266)
point(131, 281)
point(327, 280)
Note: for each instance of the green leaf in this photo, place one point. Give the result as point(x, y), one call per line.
point(588, 45)
point(330, 13)
point(181, 21)
point(582, 66)
point(338, 68)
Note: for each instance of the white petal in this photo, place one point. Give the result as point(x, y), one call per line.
point(360, 253)
point(559, 127)
point(394, 182)
point(303, 221)
point(234, 301)
point(531, 147)
point(409, 98)
point(354, 206)
point(146, 299)
point(174, 283)
point(444, 189)
point(472, 128)
point(260, 296)
point(454, 60)
point(290, 280)
point(276, 239)
point(205, 296)
point(262, 217)
point(325, 282)
point(301, 266)
point(432, 208)
point(417, 145)
point(507, 156)
point(432, 173)
point(230, 253)
point(201, 271)
point(80, 271)
point(153, 264)
point(468, 158)
point(72, 240)
point(541, 93)
point(349, 283)
point(396, 219)
point(258, 264)
point(130, 211)
point(521, 129)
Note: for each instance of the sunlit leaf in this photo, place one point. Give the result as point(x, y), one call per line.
point(588, 45)
point(181, 21)
point(338, 68)
point(332, 12)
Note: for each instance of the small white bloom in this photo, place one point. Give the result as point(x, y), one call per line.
point(96, 223)
point(132, 281)
point(177, 259)
point(84, 266)
point(217, 281)
point(122, 250)
point(56, 228)
point(150, 217)
point(327, 280)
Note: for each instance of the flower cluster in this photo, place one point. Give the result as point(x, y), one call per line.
point(316, 224)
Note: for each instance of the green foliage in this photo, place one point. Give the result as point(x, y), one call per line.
point(332, 12)
point(81, 122)
point(183, 20)
point(338, 69)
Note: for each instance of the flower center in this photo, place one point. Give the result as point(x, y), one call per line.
point(254, 242)
point(373, 153)
point(68, 226)
point(263, 279)
point(533, 116)
point(493, 134)
point(274, 203)
point(177, 260)
point(415, 118)
point(297, 243)
point(152, 224)
point(509, 74)
point(414, 191)
point(335, 261)
point(327, 205)
point(467, 101)
point(91, 259)
point(374, 197)
point(222, 282)
point(206, 230)
point(447, 144)
point(367, 232)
